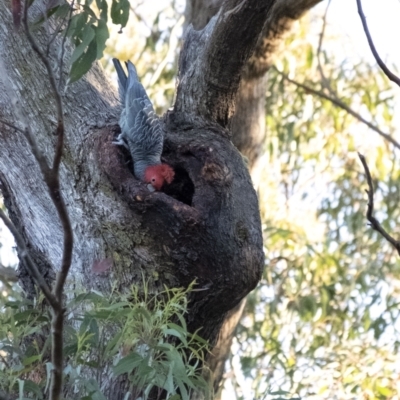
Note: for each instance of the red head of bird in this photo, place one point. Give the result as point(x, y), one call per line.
point(156, 175)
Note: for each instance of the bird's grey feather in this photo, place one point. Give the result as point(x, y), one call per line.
point(121, 79)
point(140, 127)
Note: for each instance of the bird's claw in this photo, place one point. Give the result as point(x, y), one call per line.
point(120, 141)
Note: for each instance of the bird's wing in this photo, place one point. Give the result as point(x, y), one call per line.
point(141, 128)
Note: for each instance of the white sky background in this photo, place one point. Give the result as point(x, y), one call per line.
point(383, 18)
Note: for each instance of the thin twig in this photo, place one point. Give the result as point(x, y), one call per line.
point(30, 264)
point(325, 80)
point(394, 78)
point(370, 210)
point(342, 105)
point(63, 44)
point(2, 121)
point(51, 177)
point(53, 85)
point(56, 31)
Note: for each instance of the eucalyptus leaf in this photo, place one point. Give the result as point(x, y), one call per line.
point(120, 12)
point(83, 63)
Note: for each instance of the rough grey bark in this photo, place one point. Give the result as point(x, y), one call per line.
point(248, 122)
point(248, 131)
point(212, 59)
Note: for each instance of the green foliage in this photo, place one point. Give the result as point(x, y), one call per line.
point(139, 335)
point(324, 321)
point(85, 24)
point(89, 33)
point(120, 12)
point(151, 40)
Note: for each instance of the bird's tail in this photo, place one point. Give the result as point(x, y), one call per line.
point(134, 88)
point(122, 79)
point(130, 89)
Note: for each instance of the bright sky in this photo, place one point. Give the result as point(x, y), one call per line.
point(383, 18)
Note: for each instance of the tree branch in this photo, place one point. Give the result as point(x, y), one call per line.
point(342, 105)
point(233, 40)
point(374, 223)
point(2, 121)
point(394, 78)
point(51, 176)
point(213, 59)
point(279, 22)
point(53, 84)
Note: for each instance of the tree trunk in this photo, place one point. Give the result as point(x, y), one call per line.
point(248, 122)
point(206, 227)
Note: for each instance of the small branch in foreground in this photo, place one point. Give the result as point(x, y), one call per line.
point(394, 78)
point(52, 180)
point(51, 176)
point(338, 103)
point(2, 121)
point(374, 223)
point(53, 85)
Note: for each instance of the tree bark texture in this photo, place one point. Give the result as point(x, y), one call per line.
point(247, 126)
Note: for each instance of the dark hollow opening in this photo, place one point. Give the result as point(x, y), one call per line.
point(181, 188)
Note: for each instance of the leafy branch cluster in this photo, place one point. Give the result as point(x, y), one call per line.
point(325, 311)
point(151, 42)
point(139, 334)
point(85, 23)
